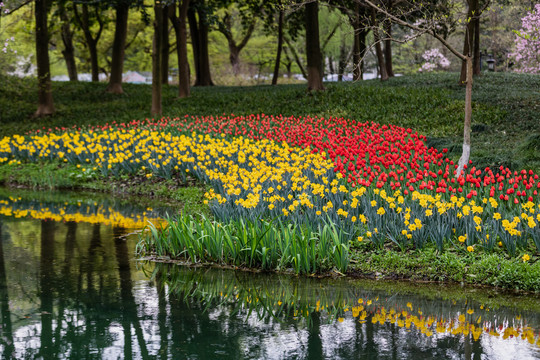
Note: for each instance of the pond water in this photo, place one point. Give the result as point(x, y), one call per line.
point(71, 287)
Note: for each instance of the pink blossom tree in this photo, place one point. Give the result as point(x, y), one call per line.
point(6, 43)
point(434, 60)
point(527, 43)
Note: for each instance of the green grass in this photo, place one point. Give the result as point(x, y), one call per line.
point(506, 124)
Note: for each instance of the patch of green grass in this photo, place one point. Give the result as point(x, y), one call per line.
point(495, 269)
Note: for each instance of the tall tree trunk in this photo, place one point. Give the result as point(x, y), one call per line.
point(464, 159)
point(90, 40)
point(166, 46)
point(67, 39)
point(199, 40)
point(279, 46)
point(313, 48)
point(378, 48)
point(468, 46)
point(119, 44)
point(46, 283)
point(359, 41)
point(45, 99)
point(156, 58)
point(388, 44)
point(476, 52)
point(343, 57)
point(7, 329)
point(180, 29)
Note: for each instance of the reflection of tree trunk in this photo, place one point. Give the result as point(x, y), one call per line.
point(46, 277)
point(45, 99)
point(162, 319)
point(95, 243)
point(314, 342)
point(180, 30)
point(313, 48)
point(7, 331)
point(129, 307)
point(371, 347)
point(279, 46)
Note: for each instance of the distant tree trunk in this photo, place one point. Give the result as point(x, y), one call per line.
point(234, 48)
point(279, 46)
point(119, 44)
point(156, 58)
point(378, 48)
point(166, 46)
point(67, 39)
point(45, 99)
point(199, 40)
point(291, 48)
point(313, 49)
point(90, 40)
point(359, 41)
point(468, 46)
point(180, 29)
point(388, 44)
point(342, 62)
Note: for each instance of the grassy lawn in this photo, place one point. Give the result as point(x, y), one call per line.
point(506, 112)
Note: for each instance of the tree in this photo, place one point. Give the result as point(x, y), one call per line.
point(527, 43)
point(180, 29)
point(67, 39)
point(430, 26)
point(277, 63)
point(85, 21)
point(198, 27)
point(117, 66)
point(313, 48)
point(45, 99)
point(157, 49)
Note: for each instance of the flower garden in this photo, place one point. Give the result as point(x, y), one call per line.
point(298, 192)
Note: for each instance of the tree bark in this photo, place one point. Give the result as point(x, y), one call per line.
point(388, 44)
point(180, 29)
point(464, 159)
point(67, 39)
point(119, 44)
point(166, 46)
point(156, 58)
point(45, 99)
point(234, 48)
point(199, 40)
point(279, 46)
point(476, 52)
point(313, 49)
point(295, 56)
point(90, 40)
point(468, 46)
point(378, 48)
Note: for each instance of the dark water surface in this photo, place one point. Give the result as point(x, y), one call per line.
point(71, 287)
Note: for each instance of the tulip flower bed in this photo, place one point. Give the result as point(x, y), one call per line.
point(332, 181)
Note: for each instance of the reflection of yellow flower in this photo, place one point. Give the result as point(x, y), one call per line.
point(526, 257)
point(340, 319)
point(470, 311)
point(470, 249)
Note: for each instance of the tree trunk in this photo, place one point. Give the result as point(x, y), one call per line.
point(45, 99)
point(156, 58)
point(313, 49)
point(234, 58)
point(464, 159)
point(166, 46)
point(378, 48)
point(180, 29)
point(119, 44)
point(90, 40)
point(67, 39)
point(199, 40)
point(476, 52)
point(295, 56)
point(468, 46)
point(342, 63)
point(279, 46)
point(388, 47)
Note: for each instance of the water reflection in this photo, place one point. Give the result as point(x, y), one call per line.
point(73, 290)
